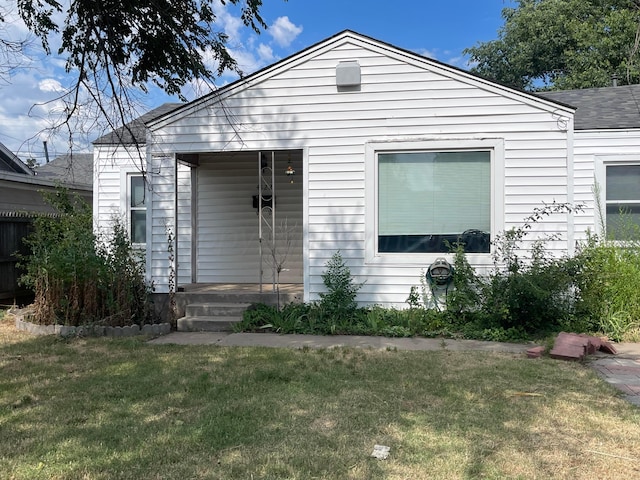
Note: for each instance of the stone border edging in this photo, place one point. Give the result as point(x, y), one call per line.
point(155, 329)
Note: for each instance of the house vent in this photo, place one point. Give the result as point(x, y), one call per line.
point(348, 75)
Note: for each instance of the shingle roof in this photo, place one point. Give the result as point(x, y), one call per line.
point(602, 108)
point(9, 162)
point(75, 168)
point(137, 127)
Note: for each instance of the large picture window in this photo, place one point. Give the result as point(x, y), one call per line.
point(137, 209)
point(622, 200)
point(429, 200)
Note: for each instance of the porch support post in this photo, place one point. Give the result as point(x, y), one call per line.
point(260, 218)
point(175, 223)
point(273, 219)
point(266, 192)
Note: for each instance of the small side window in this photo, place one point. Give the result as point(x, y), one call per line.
point(622, 202)
point(137, 209)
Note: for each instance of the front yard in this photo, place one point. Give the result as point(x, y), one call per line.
point(123, 409)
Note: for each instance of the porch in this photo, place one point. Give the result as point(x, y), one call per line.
point(217, 306)
point(239, 218)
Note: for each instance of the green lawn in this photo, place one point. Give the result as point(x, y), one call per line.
point(123, 409)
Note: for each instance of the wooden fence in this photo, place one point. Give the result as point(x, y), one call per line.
point(14, 227)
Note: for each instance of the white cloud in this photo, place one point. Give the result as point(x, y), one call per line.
point(50, 85)
point(265, 52)
point(227, 22)
point(427, 53)
point(461, 62)
point(283, 31)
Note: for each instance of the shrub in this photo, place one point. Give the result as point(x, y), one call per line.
point(528, 293)
point(126, 293)
point(608, 281)
point(464, 300)
point(536, 295)
point(76, 279)
point(339, 301)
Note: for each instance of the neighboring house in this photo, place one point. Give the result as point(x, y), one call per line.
point(21, 187)
point(21, 199)
point(74, 170)
point(394, 154)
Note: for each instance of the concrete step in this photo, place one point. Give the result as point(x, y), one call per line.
point(186, 298)
point(215, 309)
point(208, 323)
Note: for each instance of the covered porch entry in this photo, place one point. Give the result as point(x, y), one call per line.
point(244, 214)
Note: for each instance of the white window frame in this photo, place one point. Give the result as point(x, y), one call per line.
point(496, 148)
point(126, 208)
point(601, 164)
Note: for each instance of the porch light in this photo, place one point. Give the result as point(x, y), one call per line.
point(290, 172)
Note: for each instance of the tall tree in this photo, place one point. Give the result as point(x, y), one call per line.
point(115, 49)
point(563, 44)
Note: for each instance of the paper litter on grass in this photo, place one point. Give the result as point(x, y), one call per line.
point(380, 451)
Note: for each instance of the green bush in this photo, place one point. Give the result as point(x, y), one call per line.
point(465, 298)
point(78, 280)
point(531, 293)
point(528, 293)
point(607, 283)
point(533, 296)
point(339, 301)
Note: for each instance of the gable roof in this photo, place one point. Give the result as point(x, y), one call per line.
point(136, 127)
point(9, 162)
point(74, 168)
point(602, 108)
point(328, 43)
point(163, 113)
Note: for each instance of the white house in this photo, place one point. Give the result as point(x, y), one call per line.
point(393, 154)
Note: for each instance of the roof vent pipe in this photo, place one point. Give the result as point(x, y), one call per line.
point(614, 80)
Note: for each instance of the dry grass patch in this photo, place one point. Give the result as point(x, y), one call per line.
point(123, 409)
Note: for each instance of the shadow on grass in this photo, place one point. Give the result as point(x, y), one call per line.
point(119, 408)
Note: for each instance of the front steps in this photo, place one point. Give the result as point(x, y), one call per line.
point(211, 317)
point(217, 308)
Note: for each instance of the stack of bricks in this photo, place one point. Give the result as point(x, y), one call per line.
point(571, 346)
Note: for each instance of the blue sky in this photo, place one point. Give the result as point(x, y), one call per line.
point(438, 29)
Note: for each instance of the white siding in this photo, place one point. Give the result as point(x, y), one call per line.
point(589, 146)
point(185, 227)
point(110, 167)
point(228, 225)
point(402, 97)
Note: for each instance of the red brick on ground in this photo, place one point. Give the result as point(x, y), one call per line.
point(568, 352)
point(569, 346)
point(608, 347)
point(595, 341)
point(535, 352)
point(572, 339)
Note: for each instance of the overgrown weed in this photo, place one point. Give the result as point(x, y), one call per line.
point(79, 278)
